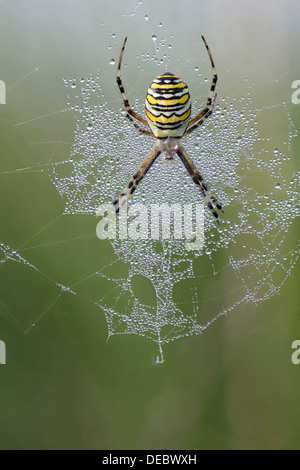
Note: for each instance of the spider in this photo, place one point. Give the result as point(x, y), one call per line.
point(168, 111)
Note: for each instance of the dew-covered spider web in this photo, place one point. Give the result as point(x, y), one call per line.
point(248, 169)
point(248, 166)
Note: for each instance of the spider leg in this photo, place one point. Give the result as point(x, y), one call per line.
point(130, 114)
point(198, 180)
point(206, 112)
point(136, 179)
point(201, 121)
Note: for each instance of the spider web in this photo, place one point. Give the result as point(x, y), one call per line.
point(232, 150)
point(249, 169)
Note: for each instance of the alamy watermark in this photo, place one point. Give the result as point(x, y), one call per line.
point(154, 221)
point(296, 94)
point(296, 354)
point(2, 352)
point(2, 92)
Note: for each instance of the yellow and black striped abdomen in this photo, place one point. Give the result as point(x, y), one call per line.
point(168, 106)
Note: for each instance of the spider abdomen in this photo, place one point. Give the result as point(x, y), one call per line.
point(168, 106)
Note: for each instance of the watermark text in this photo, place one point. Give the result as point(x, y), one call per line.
point(2, 92)
point(154, 221)
point(2, 352)
point(296, 94)
point(296, 354)
point(154, 458)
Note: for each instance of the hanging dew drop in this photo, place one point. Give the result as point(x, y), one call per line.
point(112, 61)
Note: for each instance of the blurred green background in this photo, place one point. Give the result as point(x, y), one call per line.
point(64, 386)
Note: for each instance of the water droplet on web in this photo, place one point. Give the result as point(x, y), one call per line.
point(112, 61)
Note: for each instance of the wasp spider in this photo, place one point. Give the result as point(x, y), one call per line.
point(168, 113)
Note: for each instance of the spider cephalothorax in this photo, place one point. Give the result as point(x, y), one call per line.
point(168, 118)
point(168, 147)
